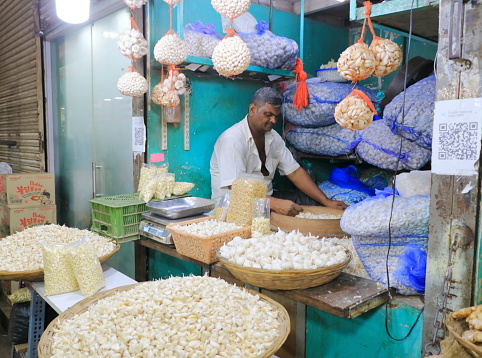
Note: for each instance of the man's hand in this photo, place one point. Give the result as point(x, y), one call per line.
point(285, 207)
point(335, 204)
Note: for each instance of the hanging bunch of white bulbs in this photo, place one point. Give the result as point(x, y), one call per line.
point(231, 56)
point(355, 112)
point(170, 49)
point(171, 2)
point(132, 83)
point(231, 8)
point(132, 44)
point(388, 56)
point(135, 4)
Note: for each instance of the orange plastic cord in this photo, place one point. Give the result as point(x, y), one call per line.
point(230, 33)
point(300, 99)
point(368, 20)
point(132, 69)
point(134, 25)
point(363, 96)
point(172, 68)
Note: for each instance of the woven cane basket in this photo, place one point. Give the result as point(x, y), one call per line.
point(38, 275)
point(203, 248)
point(45, 349)
point(286, 279)
point(456, 327)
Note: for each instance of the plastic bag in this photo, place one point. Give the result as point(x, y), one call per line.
point(5, 168)
point(86, 266)
point(181, 188)
point(322, 100)
point(201, 39)
point(269, 50)
point(332, 140)
point(149, 188)
point(374, 178)
point(245, 23)
point(412, 266)
point(221, 209)
point(58, 274)
point(18, 323)
point(261, 216)
point(148, 170)
point(164, 185)
point(416, 182)
point(244, 190)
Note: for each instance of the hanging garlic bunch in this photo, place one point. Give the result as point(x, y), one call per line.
point(170, 99)
point(178, 81)
point(132, 44)
point(157, 94)
point(388, 56)
point(354, 112)
point(135, 4)
point(357, 62)
point(132, 84)
point(170, 49)
point(231, 56)
point(231, 8)
point(171, 2)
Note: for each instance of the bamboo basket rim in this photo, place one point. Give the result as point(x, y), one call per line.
point(44, 348)
point(173, 228)
point(452, 325)
point(38, 275)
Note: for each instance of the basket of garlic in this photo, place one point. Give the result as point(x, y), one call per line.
point(189, 316)
point(201, 238)
point(21, 256)
point(284, 261)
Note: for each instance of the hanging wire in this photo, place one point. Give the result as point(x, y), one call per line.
point(389, 297)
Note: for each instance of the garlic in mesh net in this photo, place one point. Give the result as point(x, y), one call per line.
point(135, 4)
point(353, 113)
point(172, 2)
point(357, 62)
point(157, 94)
point(132, 44)
point(231, 8)
point(170, 99)
point(132, 84)
point(231, 56)
point(170, 49)
point(388, 56)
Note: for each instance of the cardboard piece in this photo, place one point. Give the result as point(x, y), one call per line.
point(17, 219)
point(22, 190)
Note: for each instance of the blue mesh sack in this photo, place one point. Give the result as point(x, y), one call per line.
point(322, 100)
point(418, 113)
point(372, 252)
point(332, 140)
point(378, 146)
point(201, 39)
point(374, 178)
point(412, 267)
point(371, 217)
point(269, 50)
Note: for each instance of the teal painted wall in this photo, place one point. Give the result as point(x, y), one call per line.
point(329, 336)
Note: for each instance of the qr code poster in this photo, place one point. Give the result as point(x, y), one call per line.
point(456, 136)
point(138, 134)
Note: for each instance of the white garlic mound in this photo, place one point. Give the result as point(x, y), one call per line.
point(132, 84)
point(135, 4)
point(231, 56)
point(357, 62)
point(157, 94)
point(170, 49)
point(171, 2)
point(132, 44)
point(231, 8)
point(353, 113)
point(388, 56)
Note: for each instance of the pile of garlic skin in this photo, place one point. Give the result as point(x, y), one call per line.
point(357, 62)
point(231, 8)
point(307, 215)
point(22, 251)
point(231, 56)
point(170, 49)
point(132, 44)
point(388, 56)
point(135, 4)
point(353, 113)
point(132, 84)
point(177, 317)
point(283, 251)
point(207, 227)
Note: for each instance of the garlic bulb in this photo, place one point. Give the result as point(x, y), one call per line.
point(353, 113)
point(356, 63)
point(388, 56)
point(179, 83)
point(170, 99)
point(170, 49)
point(132, 44)
point(231, 8)
point(135, 4)
point(172, 2)
point(157, 94)
point(132, 84)
point(231, 56)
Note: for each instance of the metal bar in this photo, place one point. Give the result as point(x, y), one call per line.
point(36, 322)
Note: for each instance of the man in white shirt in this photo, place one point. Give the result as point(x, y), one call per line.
point(251, 146)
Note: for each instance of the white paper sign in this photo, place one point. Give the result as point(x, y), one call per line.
point(456, 136)
point(138, 134)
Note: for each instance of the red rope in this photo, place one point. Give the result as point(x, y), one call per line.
point(300, 99)
point(363, 96)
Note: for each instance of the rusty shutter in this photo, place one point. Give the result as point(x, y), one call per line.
point(21, 105)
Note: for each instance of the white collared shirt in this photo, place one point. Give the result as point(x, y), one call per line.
point(235, 153)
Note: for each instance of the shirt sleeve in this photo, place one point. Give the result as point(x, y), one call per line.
point(231, 159)
point(287, 163)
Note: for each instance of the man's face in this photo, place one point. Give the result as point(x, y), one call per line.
point(262, 117)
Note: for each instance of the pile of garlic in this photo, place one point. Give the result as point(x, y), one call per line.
point(353, 113)
point(177, 317)
point(231, 56)
point(283, 251)
point(181, 188)
point(231, 8)
point(132, 44)
point(307, 215)
point(22, 251)
point(388, 56)
point(132, 84)
point(207, 227)
point(356, 63)
point(170, 49)
point(135, 4)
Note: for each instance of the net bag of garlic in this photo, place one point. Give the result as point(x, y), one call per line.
point(243, 191)
point(322, 100)
point(270, 51)
point(135, 4)
point(86, 266)
point(132, 43)
point(168, 91)
point(378, 146)
point(231, 56)
point(332, 140)
point(201, 39)
point(59, 276)
point(343, 184)
point(355, 112)
point(371, 216)
point(170, 49)
point(417, 112)
point(388, 56)
point(132, 83)
point(231, 8)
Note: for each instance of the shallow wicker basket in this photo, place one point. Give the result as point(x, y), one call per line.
point(456, 327)
point(330, 75)
point(38, 275)
point(286, 279)
point(45, 349)
point(203, 248)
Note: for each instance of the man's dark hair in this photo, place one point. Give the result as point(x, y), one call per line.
point(266, 95)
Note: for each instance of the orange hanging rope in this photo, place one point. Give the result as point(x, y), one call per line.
point(363, 96)
point(366, 20)
point(134, 25)
point(171, 69)
point(300, 99)
point(230, 33)
point(132, 69)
